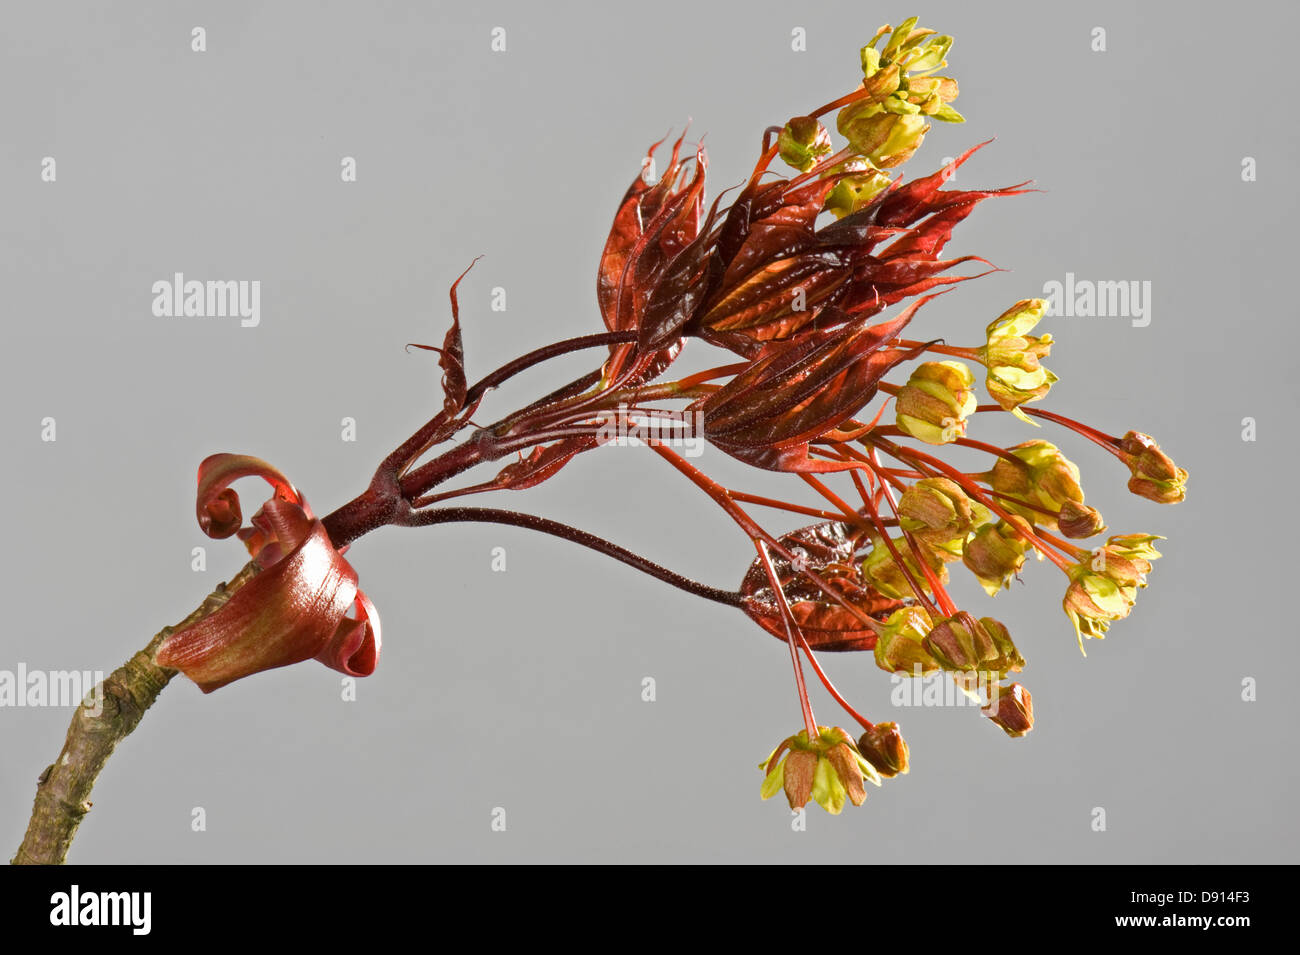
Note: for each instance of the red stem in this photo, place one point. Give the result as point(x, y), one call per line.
point(970, 354)
point(490, 515)
point(724, 500)
point(865, 723)
point(792, 635)
point(924, 460)
point(1078, 427)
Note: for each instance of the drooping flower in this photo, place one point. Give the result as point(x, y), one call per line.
point(891, 578)
point(899, 645)
point(1078, 520)
point(1155, 476)
point(937, 511)
point(1103, 587)
point(1012, 708)
point(961, 643)
point(994, 554)
point(829, 770)
point(295, 608)
point(1012, 357)
point(1040, 475)
point(884, 748)
point(936, 401)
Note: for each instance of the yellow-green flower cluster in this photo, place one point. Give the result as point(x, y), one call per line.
point(889, 123)
point(887, 119)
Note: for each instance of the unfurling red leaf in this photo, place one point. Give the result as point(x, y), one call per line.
point(217, 506)
point(652, 269)
point(801, 389)
point(452, 357)
point(543, 462)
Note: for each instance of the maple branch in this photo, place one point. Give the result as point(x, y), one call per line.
point(106, 717)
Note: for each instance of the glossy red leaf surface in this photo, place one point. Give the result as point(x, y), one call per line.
point(827, 550)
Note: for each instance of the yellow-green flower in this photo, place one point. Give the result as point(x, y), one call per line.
point(995, 554)
point(938, 511)
point(1103, 587)
point(886, 133)
point(961, 643)
point(1041, 476)
point(902, 70)
point(859, 183)
point(1012, 357)
point(898, 645)
point(932, 94)
point(883, 572)
point(829, 769)
point(936, 401)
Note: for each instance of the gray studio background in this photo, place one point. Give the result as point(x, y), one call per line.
point(521, 689)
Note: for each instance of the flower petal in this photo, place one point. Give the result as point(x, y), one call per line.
point(828, 790)
point(773, 782)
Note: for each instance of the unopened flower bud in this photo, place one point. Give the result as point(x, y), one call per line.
point(1155, 476)
point(1012, 357)
point(1079, 520)
point(898, 645)
point(994, 555)
point(1043, 476)
point(884, 748)
point(1012, 708)
point(962, 643)
point(934, 404)
point(803, 142)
